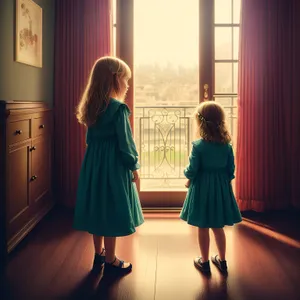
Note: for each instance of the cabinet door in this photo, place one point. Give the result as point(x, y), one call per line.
point(18, 168)
point(40, 177)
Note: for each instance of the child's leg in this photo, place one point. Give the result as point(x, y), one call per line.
point(98, 244)
point(220, 241)
point(110, 252)
point(110, 248)
point(99, 258)
point(203, 239)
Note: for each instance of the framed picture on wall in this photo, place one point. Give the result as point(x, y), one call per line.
point(29, 33)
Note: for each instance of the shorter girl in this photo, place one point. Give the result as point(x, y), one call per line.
point(107, 204)
point(210, 202)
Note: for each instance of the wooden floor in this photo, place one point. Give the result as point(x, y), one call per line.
point(54, 263)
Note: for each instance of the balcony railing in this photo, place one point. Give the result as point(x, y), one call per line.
point(163, 135)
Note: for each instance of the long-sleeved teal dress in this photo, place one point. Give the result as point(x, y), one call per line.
point(107, 200)
point(210, 202)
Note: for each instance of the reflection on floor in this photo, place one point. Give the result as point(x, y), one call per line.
point(54, 263)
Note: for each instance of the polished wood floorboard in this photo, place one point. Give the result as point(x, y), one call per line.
point(54, 262)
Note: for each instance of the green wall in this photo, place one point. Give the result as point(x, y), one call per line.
point(19, 81)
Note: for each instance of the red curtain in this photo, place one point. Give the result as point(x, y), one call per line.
point(83, 34)
point(268, 148)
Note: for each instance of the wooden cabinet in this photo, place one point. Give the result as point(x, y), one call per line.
point(26, 169)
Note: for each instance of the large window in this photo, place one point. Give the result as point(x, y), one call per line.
point(166, 69)
point(226, 48)
point(178, 49)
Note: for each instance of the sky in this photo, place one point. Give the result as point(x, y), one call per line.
point(167, 31)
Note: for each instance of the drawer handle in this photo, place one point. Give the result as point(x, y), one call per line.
point(42, 126)
point(18, 131)
point(33, 148)
point(34, 177)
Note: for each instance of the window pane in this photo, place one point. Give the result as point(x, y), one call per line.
point(227, 101)
point(166, 52)
point(236, 41)
point(223, 78)
point(235, 101)
point(223, 12)
point(236, 11)
point(223, 43)
point(223, 101)
point(235, 77)
point(166, 91)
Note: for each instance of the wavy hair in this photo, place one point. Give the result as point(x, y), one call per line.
point(211, 125)
point(104, 80)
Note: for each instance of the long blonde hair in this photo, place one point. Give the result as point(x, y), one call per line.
point(105, 80)
point(210, 118)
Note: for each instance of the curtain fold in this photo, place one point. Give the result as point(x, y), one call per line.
point(293, 128)
point(268, 106)
point(82, 34)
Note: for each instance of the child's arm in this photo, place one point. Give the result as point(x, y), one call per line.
point(192, 169)
point(188, 183)
point(230, 164)
point(135, 176)
point(127, 147)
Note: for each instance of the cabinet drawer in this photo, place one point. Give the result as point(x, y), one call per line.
point(18, 131)
point(41, 125)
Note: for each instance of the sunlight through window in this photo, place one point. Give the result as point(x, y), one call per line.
point(227, 18)
point(166, 55)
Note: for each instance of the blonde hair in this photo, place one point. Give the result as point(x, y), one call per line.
point(104, 81)
point(210, 118)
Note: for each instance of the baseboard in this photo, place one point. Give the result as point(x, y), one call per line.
point(12, 243)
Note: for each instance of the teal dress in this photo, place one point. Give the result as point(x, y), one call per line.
point(210, 202)
point(107, 200)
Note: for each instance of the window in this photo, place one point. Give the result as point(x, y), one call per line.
point(226, 48)
point(166, 70)
point(180, 57)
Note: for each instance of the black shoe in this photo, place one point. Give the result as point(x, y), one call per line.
point(117, 269)
point(204, 267)
point(220, 264)
point(99, 260)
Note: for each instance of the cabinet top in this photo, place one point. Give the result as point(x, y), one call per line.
point(23, 105)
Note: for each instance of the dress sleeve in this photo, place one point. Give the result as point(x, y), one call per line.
point(230, 164)
point(192, 169)
point(126, 143)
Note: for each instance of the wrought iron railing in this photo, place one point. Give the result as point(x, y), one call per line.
point(163, 135)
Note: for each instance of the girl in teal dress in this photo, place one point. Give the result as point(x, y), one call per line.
point(107, 203)
point(210, 202)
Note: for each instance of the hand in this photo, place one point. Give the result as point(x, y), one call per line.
point(187, 184)
point(135, 176)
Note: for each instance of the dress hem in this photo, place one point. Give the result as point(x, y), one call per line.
point(107, 233)
point(196, 224)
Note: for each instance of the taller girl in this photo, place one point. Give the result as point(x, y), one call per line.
point(107, 204)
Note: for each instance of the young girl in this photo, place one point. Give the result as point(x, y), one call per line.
point(210, 202)
point(107, 201)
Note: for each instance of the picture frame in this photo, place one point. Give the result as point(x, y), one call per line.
point(29, 33)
